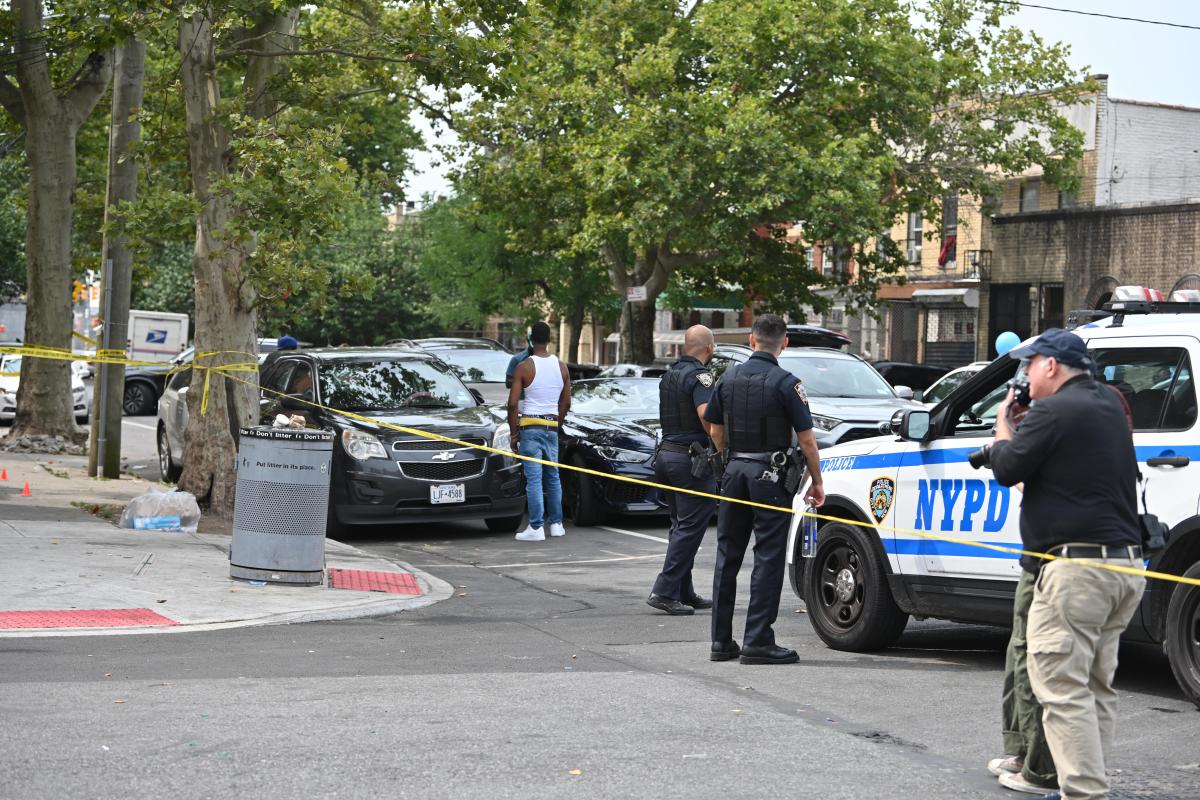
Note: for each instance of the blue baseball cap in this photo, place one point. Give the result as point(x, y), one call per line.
point(1061, 345)
point(287, 342)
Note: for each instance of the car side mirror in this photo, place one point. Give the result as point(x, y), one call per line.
point(904, 392)
point(478, 395)
point(914, 425)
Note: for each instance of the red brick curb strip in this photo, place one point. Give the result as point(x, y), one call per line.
point(367, 581)
point(84, 618)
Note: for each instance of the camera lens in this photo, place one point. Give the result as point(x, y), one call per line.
point(980, 458)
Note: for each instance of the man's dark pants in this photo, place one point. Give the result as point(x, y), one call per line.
point(1023, 734)
point(689, 519)
point(734, 525)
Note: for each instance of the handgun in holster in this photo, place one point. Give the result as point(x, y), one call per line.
point(793, 470)
point(698, 454)
point(716, 460)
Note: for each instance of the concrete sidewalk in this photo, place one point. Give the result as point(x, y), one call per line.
point(64, 571)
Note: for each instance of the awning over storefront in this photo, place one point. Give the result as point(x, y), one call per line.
point(947, 297)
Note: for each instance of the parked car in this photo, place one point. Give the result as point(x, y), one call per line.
point(847, 397)
point(10, 380)
point(145, 385)
point(482, 367)
point(904, 373)
point(612, 428)
point(941, 389)
point(633, 371)
point(437, 342)
point(381, 476)
point(815, 336)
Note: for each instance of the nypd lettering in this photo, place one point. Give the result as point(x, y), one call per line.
point(941, 503)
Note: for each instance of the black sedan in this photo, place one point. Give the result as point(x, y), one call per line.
point(612, 428)
point(384, 477)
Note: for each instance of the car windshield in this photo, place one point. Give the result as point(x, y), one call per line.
point(10, 364)
point(632, 397)
point(836, 377)
point(942, 389)
point(477, 366)
point(376, 385)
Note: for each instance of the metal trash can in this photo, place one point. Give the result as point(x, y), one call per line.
point(279, 510)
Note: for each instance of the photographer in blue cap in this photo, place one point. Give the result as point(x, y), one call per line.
point(1072, 449)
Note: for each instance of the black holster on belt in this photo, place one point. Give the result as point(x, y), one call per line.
point(698, 454)
point(716, 460)
point(793, 470)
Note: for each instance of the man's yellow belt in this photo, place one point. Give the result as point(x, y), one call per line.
point(550, 422)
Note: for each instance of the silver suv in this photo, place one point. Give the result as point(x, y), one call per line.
point(847, 397)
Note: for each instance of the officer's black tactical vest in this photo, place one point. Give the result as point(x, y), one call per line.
point(755, 418)
point(676, 410)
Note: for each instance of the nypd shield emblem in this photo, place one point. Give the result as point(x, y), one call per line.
point(883, 491)
point(705, 378)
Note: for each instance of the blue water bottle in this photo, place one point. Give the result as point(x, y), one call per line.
point(808, 532)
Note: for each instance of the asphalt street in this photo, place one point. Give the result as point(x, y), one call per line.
point(545, 675)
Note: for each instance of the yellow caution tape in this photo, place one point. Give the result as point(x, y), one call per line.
point(229, 370)
point(87, 339)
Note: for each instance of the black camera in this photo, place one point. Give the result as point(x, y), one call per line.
point(980, 458)
point(1020, 386)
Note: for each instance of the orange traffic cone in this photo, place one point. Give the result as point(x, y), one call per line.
point(3, 474)
point(25, 492)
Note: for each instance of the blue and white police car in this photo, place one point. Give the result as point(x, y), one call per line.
point(862, 582)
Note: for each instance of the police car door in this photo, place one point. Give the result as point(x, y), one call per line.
point(938, 492)
point(1157, 376)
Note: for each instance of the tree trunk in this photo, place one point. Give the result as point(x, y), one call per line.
point(50, 120)
point(225, 293)
point(225, 317)
point(637, 332)
point(575, 321)
point(126, 132)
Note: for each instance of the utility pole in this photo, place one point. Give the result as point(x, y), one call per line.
point(116, 278)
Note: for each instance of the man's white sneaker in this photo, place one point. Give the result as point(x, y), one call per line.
point(1016, 781)
point(557, 529)
point(531, 534)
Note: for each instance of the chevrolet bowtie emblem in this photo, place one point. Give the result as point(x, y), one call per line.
point(445, 455)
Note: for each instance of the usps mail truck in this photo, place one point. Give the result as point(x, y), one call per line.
point(157, 335)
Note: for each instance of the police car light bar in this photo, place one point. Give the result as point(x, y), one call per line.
point(1137, 293)
point(1137, 300)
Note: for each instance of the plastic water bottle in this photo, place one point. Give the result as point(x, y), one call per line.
point(808, 533)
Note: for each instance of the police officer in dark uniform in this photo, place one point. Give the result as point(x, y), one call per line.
point(757, 412)
point(684, 460)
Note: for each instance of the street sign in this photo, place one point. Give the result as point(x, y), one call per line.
point(635, 294)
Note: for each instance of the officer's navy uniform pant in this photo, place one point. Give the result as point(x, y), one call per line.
point(689, 519)
point(734, 525)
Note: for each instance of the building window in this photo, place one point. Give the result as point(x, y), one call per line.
point(948, 255)
point(1067, 200)
point(1031, 191)
point(841, 259)
point(810, 259)
point(914, 237)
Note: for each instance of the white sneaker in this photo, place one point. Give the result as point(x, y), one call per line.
point(557, 529)
point(531, 534)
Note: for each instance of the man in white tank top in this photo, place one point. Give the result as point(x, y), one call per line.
point(534, 423)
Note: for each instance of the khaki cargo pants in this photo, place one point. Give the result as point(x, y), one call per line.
point(1075, 622)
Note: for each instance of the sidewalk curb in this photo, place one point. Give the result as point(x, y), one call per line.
point(434, 590)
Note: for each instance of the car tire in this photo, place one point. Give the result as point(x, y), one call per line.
point(585, 505)
point(1183, 636)
point(138, 400)
point(168, 470)
point(845, 588)
point(504, 524)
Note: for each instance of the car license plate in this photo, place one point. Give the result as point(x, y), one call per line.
point(448, 493)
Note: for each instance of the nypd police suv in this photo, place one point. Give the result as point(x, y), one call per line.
point(864, 581)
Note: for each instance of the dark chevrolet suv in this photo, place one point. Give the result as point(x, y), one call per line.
point(384, 477)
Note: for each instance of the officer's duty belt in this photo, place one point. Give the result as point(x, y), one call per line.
point(549, 420)
point(1129, 551)
point(675, 447)
point(765, 458)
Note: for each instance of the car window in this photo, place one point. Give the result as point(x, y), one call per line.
point(278, 380)
point(300, 383)
point(477, 365)
point(718, 364)
point(836, 377)
point(942, 389)
point(379, 385)
point(1157, 382)
point(627, 397)
point(180, 379)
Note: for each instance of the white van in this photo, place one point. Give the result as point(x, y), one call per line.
point(864, 581)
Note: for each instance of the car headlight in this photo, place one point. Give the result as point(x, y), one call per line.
point(825, 423)
point(622, 455)
point(78, 392)
point(502, 439)
point(362, 445)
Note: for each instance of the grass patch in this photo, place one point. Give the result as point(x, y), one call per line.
point(106, 511)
